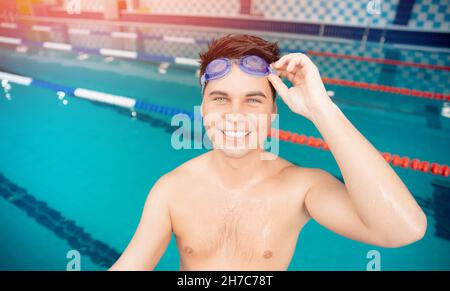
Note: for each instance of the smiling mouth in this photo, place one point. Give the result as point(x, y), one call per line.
point(235, 134)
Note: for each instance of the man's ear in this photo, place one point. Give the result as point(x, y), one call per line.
point(201, 109)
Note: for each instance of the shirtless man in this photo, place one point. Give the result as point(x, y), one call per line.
point(232, 210)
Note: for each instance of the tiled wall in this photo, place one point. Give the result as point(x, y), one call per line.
point(346, 12)
point(89, 5)
point(430, 14)
point(193, 7)
point(425, 14)
point(151, 42)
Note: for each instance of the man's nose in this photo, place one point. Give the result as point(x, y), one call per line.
point(236, 108)
point(235, 113)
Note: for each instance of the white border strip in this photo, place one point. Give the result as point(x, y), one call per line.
point(41, 28)
point(120, 34)
point(79, 31)
point(179, 39)
point(187, 61)
point(11, 40)
point(57, 46)
point(105, 98)
point(8, 25)
point(16, 78)
point(118, 53)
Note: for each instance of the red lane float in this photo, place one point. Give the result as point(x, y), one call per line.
point(388, 89)
point(379, 60)
point(394, 159)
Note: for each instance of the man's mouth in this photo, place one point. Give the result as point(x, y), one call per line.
point(235, 134)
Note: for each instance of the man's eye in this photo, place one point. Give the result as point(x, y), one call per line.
point(254, 100)
point(220, 99)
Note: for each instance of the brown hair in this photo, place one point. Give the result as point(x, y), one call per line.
point(236, 46)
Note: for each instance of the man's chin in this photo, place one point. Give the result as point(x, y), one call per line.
point(235, 153)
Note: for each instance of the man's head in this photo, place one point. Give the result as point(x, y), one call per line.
point(233, 105)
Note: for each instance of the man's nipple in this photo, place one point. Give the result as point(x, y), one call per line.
point(188, 250)
point(267, 254)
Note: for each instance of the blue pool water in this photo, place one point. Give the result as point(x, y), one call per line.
point(76, 176)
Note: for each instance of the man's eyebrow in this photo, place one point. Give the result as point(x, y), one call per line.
point(248, 94)
point(218, 93)
point(256, 93)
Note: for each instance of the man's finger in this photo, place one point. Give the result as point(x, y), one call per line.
point(278, 84)
point(296, 59)
point(284, 59)
point(292, 64)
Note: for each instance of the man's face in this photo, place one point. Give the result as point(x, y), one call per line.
point(237, 112)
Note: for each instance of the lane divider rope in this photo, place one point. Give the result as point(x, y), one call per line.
point(394, 159)
point(137, 35)
point(387, 89)
point(283, 135)
point(195, 63)
point(379, 60)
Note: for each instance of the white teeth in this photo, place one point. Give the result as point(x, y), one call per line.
point(237, 134)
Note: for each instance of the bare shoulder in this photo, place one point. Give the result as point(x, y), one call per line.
point(191, 168)
point(318, 180)
point(181, 175)
point(302, 175)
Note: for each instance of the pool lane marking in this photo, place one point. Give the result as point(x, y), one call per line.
point(131, 103)
point(118, 53)
point(9, 25)
point(64, 228)
point(120, 34)
point(195, 63)
point(57, 46)
point(10, 40)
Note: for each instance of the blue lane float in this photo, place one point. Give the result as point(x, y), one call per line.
point(52, 86)
point(101, 97)
point(102, 51)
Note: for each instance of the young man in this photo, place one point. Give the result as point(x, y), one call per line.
point(232, 210)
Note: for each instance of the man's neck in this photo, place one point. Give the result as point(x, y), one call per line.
point(238, 172)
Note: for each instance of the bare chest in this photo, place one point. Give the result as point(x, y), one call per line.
point(251, 225)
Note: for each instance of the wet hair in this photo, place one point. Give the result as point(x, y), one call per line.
point(237, 46)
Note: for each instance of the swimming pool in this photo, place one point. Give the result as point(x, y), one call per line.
point(75, 172)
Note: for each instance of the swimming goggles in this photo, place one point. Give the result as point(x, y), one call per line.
point(250, 64)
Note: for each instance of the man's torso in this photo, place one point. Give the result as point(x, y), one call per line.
point(255, 227)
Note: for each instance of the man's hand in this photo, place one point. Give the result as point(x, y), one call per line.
point(374, 206)
point(308, 91)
